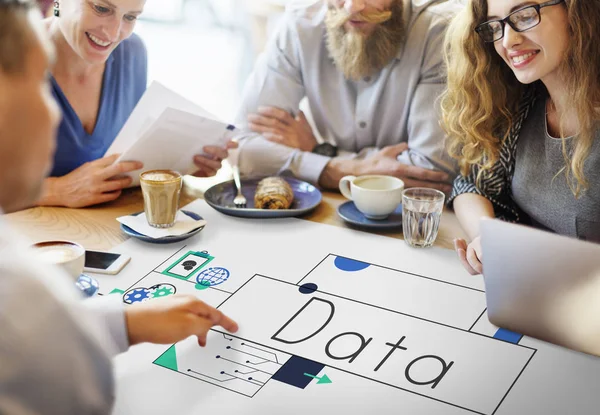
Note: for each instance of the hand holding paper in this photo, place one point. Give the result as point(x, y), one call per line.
point(208, 164)
point(166, 131)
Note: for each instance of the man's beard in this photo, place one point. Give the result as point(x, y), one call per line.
point(358, 55)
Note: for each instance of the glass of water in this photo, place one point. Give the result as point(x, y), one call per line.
point(421, 212)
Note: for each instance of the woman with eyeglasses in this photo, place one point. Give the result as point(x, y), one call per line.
point(99, 75)
point(522, 111)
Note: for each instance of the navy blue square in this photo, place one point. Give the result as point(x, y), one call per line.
point(293, 372)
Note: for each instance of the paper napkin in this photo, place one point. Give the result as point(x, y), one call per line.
point(183, 224)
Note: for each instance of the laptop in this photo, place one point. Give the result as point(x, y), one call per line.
point(542, 285)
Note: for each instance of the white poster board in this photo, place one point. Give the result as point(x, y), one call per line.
point(334, 320)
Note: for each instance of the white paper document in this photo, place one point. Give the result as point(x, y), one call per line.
point(165, 131)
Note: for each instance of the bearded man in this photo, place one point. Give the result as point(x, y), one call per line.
point(371, 71)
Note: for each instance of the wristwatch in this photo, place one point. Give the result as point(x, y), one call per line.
point(325, 149)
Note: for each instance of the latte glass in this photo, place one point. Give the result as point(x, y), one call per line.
point(161, 190)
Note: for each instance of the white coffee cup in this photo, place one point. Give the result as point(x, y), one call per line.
point(375, 196)
point(68, 255)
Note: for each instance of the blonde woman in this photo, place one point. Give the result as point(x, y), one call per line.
point(99, 76)
point(522, 110)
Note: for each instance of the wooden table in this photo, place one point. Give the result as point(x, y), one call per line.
point(96, 228)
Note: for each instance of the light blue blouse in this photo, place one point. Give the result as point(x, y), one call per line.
point(124, 83)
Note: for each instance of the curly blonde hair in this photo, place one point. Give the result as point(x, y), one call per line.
point(483, 93)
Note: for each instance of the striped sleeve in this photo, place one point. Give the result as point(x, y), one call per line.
point(495, 183)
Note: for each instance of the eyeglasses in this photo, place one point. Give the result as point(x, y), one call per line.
point(520, 21)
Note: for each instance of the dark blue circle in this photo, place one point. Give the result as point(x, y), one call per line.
point(308, 288)
point(349, 265)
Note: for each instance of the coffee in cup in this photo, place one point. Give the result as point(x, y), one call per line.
point(376, 196)
point(161, 189)
point(70, 256)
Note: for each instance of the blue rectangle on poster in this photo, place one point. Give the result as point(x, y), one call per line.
point(293, 372)
point(508, 336)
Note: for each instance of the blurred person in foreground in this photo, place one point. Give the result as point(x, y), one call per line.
point(55, 348)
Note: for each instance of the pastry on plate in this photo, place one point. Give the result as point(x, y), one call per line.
point(273, 193)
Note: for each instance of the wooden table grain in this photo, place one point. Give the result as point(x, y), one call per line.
point(96, 227)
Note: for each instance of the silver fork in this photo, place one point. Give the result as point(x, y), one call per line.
point(239, 201)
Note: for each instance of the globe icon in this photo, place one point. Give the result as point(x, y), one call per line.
point(212, 276)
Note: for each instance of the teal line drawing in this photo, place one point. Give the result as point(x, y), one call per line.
point(168, 359)
point(195, 255)
point(117, 291)
point(321, 380)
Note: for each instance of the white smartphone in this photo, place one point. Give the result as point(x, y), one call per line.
point(105, 262)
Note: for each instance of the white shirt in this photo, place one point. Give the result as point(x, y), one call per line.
point(396, 105)
point(55, 348)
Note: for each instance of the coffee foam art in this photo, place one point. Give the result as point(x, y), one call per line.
point(159, 176)
point(58, 253)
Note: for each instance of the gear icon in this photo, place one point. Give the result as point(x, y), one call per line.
point(162, 290)
point(137, 295)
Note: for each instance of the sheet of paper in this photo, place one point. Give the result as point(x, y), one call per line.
point(155, 100)
point(166, 130)
point(414, 313)
point(172, 141)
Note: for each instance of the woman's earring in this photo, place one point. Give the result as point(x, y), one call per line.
point(56, 9)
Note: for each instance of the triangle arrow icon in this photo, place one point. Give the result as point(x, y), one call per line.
point(324, 379)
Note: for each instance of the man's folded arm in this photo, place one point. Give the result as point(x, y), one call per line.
point(277, 81)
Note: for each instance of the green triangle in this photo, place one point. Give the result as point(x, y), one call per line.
point(168, 359)
point(324, 379)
